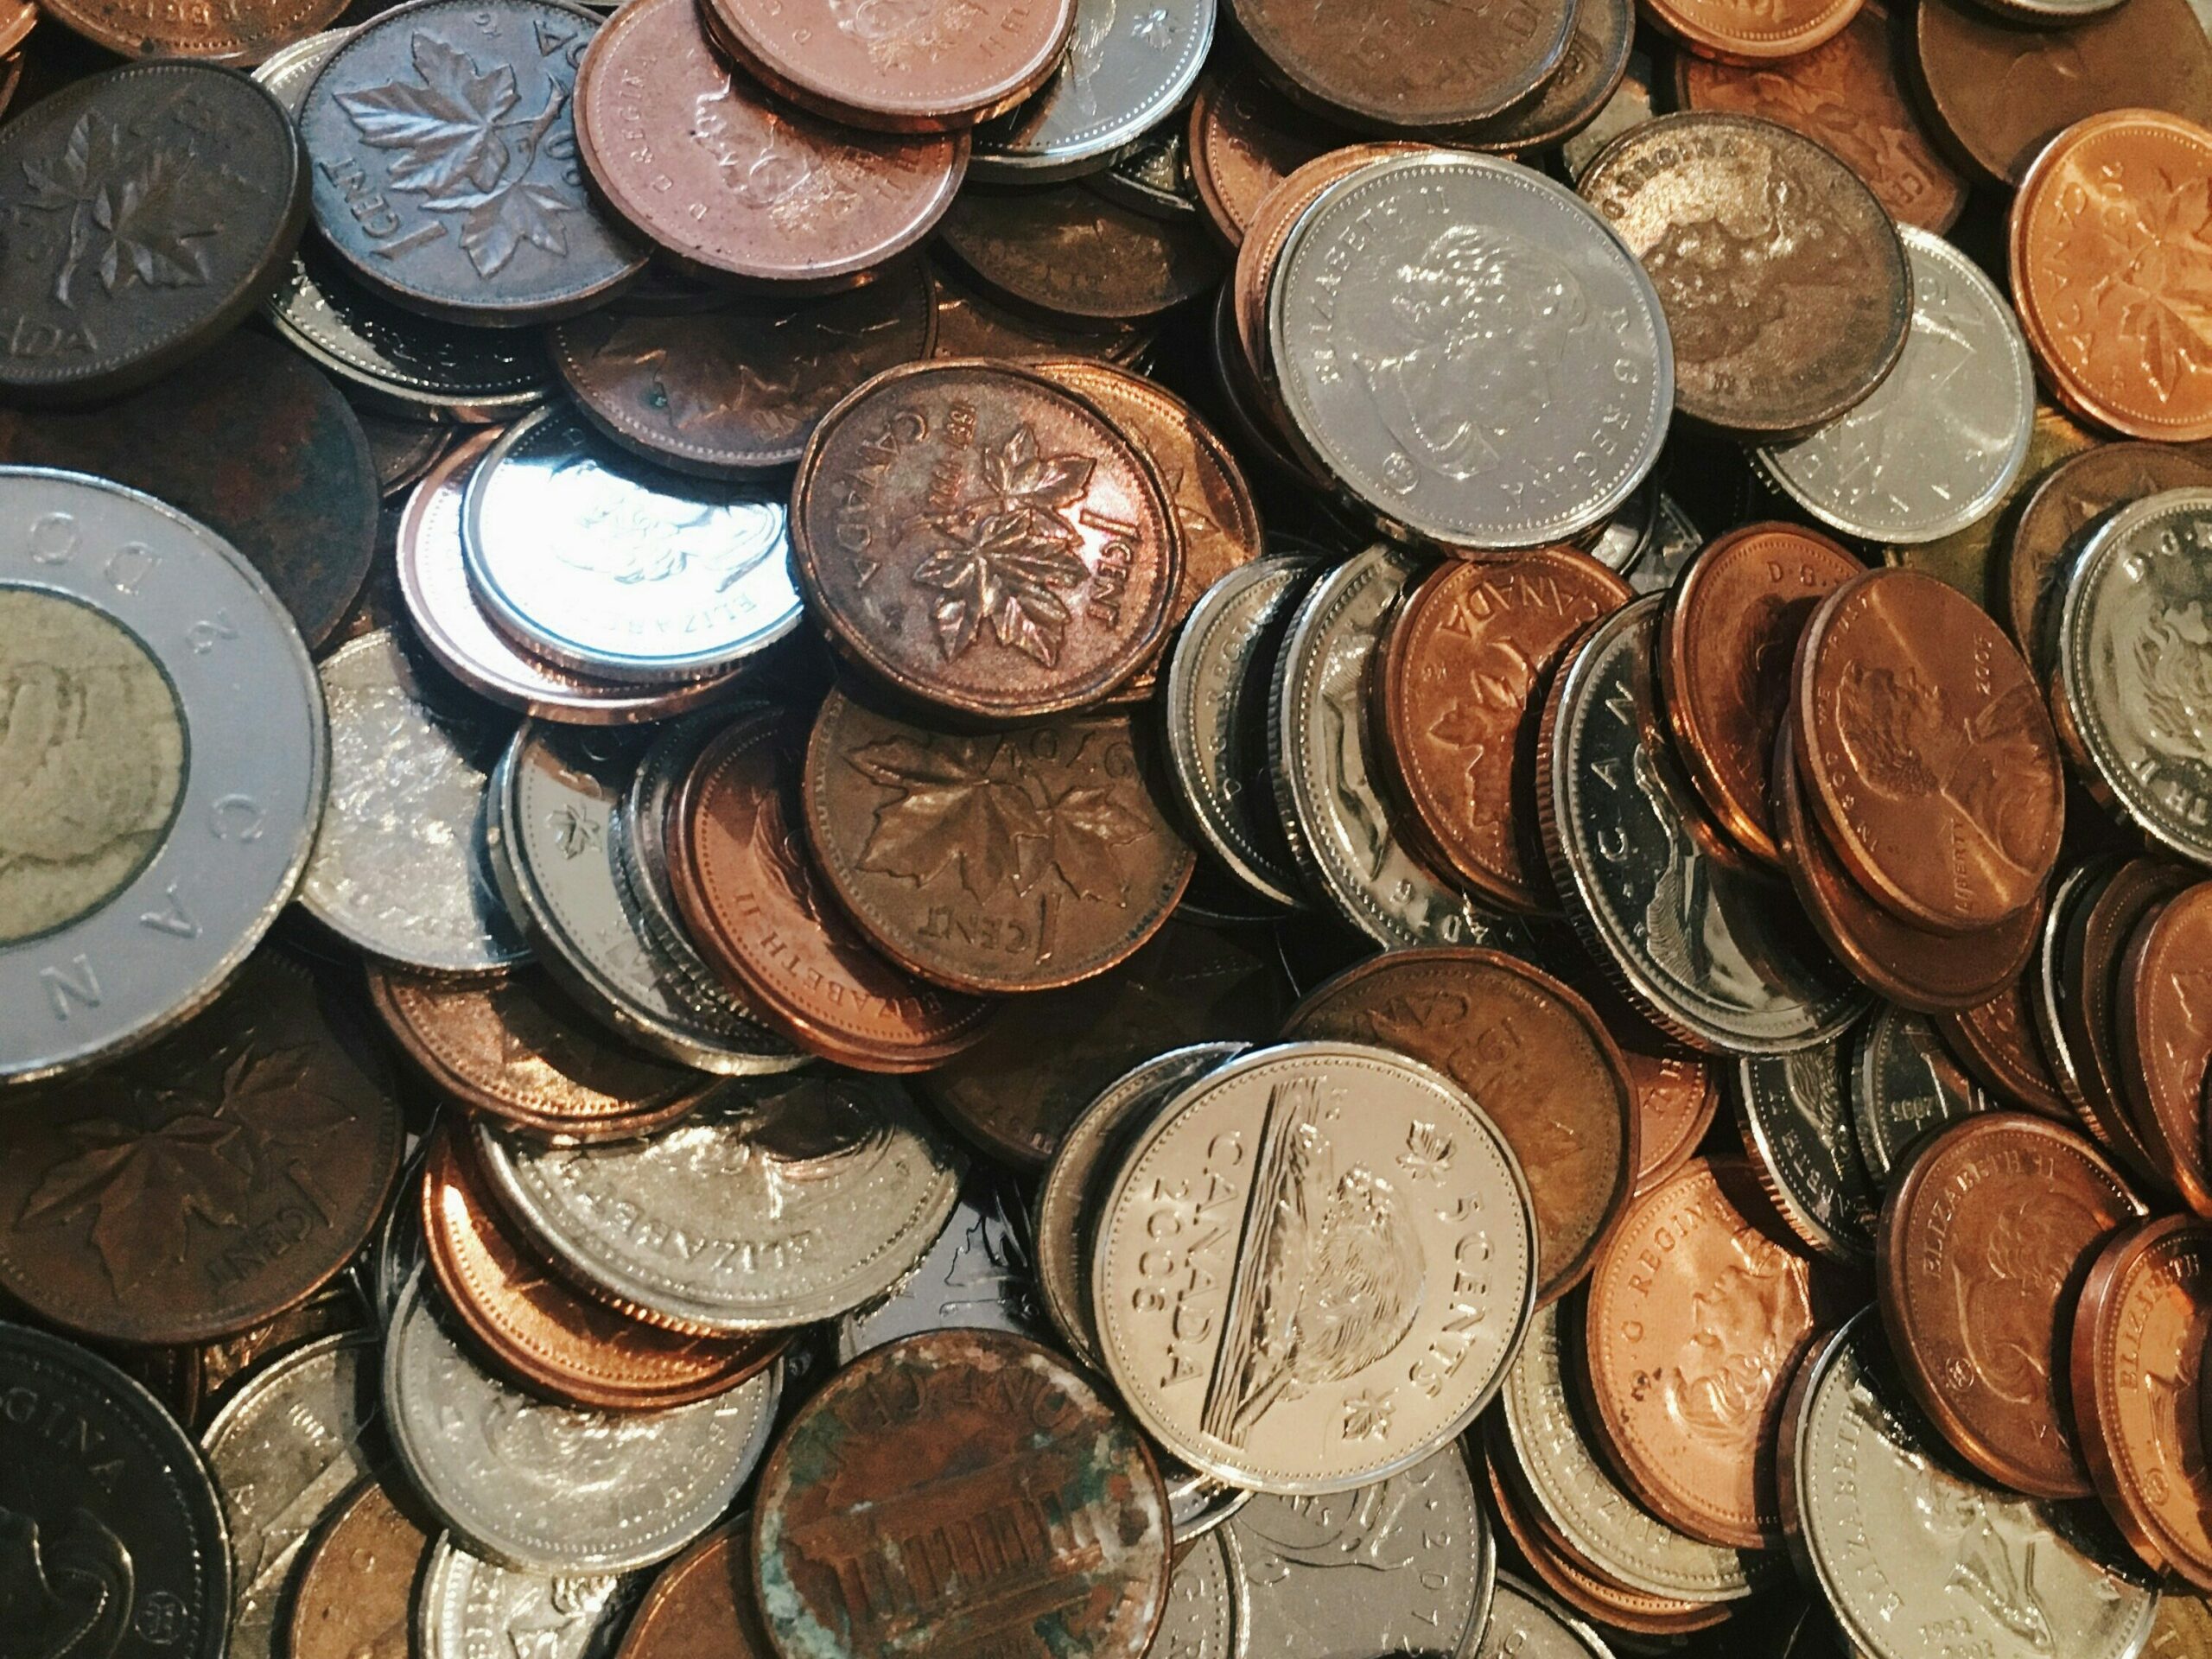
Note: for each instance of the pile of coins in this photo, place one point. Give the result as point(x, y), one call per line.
point(999, 828)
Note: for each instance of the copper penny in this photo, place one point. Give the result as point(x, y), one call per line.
point(1727, 639)
point(1929, 756)
point(353, 1597)
point(1244, 140)
point(732, 182)
point(961, 1491)
point(2138, 1379)
point(984, 539)
point(1064, 250)
point(1407, 65)
point(998, 862)
point(241, 32)
point(1843, 94)
point(203, 1185)
point(1694, 1320)
point(2096, 946)
point(701, 1605)
point(1980, 1251)
point(18, 19)
point(971, 324)
point(1577, 92)
point(761, 912)
point(1677, 1097)
point(1751, 34)
point(1532, 1053)
point(2001, 91)
point(1463, 666)
point(2101, 267)
point(1996, 1041)
point(2164, 1019)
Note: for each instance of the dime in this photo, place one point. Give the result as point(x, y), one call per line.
point(1524, 1620)
point(1904, 1087)
point(1727, 636)
point(1255, 1201)
point(777, 1203)
point(1820, 297)
point(400, 867)
point(1669, 544)
point(112, 1527)
point(980, 1274)
point(1676, 1099)
point(354, 1598)
point(2166, 1037)
point(1244, 140)
point(1996, 1041)
point(1589, 73)
point(1794, 1112)
point(1152, 175)
point(1521, 400)
point(1718, 29)
point(1043, 1495)
point(1123, 76)
point(201, 1380)
point(1400, 66)
point(467, 1606)
point(1068, 252)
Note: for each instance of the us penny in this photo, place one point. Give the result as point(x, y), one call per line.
point(1589, 73)
point(1819, 297)
point(715, 171)
point(1733, 34)
point(355, 1595)
point(1726, 637)
point(2165, 1037)
point(983, 539)
point(1402, 66)
point(1061, 250)
point(736, 389)
point(1929, 758)
point(208, 1183)
point(1045, 1498)
point(703, 1604)
point(1904, 1087)
point(1981, 1247)
point(1244, 140)
point(1464, 667)
point(2137, 1382)
point(1677, 1097)
point(1996, 1041)
point(2097, 938)
point(1531, 1053)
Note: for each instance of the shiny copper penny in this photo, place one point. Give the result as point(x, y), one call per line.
point(1464, 665)
point(1677, 1097)
point(1980, 1252)
point(1244, 140)
point(1928, 755)
point(2093, 950)
point(1726, 640)
point(2164, 1018)
point(2098, 256)
point(734, 183)
point(1532, 1053)
point(761, 912)
point(18, 19)
point(1751, 34)
point(2138, 1379)
point(984, 539)
point(353, 1597)
point(703, 1604)
point(1844, 94)
point(1996, 1041)
point(1694, 1322)
point(242, 32)
point(1067, 252)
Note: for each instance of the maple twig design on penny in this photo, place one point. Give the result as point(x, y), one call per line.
point(2140, 248)
point(136, 209)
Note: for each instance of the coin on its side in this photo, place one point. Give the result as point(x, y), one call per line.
point(2087, 987)
point(356, 1591)
point(1903, 1087)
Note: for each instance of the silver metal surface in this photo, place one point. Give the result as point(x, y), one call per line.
point(1526, 1624)
point(1795, 1113)
point(980, 1275)
point(470, 1608)
point(1904, 1086)
point(1129, 65)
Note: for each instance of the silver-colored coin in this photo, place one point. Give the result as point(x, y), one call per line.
point(287, 71)
point(162, 769)
point(1629, 106)
point(286, 1448)
point(1579, 1496)
point(1429, 1567)
point(1318, 737)
point(2135, 666)
point(560, 1489)
point(2049, 988)
point(400, 868)
point(1904, 1086)
point(1153, 175)
point(1938, 444)
point(980, 1275)
point(1622, 540)
point(555, 792)
point(1218, 677)
point(1199, 1504)
point(1472, 351)
point(614, 568)
point(776, 1202)
point(470, 1608)
point(1667, 552)
point(1709, 954)
point(1918, 1557)
point(1207, 1609)
point(1129, 66)
point(1526, 1624)
point(1793, 1112)
point(400, 1247)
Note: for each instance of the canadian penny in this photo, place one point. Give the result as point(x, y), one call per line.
point(1064, 251)
point(1981, 1250)
point(970, 323)
point(1403, 67)
point(1244, 140)
point(354, 1598)
point(2164, 1018)
point(1996, 1041)
point(238, 34)
point(1677, 1097)
point(1740, 35)
point(1571, 98)
point(2095, 951)
point(1531, 1053)
point(1728, 635)
point(703, 1604)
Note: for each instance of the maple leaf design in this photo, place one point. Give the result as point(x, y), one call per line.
point(955, 801)
point(1087, 824)
point(142, 1183)
point(1427, 1155)
point(2151, 249)
point(573, 833)
point(134, 212)
point(1367, 1417)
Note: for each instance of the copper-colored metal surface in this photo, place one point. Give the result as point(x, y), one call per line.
point(353, 1595)
point(1676, 1099)
point(1996, 1041)
point(1244, 140)
point(703, 1604)
point(1733, 33)
point(1064, 251)
point(2072, 493)
point(2095, 949)
point(2164, 1019)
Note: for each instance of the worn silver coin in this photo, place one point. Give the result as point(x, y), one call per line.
point(1904, 1086)
point(614, 568)
point(1794, 1112)
point(1477, 358)
point(980, 1274)
point(1208, 1610)
point(400, 868)
point(1711, 955)
point(1939, 443)
point(1672, 542)
point(1153, 174)
point(552, 1488)
point(163, 767)
point(1127, 68)
point(1526, 1624)
point(2049, 988)
point(470, 1608)
point(399, 1248)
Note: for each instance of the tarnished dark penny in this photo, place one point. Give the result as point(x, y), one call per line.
point(761, 912)
point(2095, 949)
point(1017, 1091)
point(149, 211)
point(1930, 757)
point(2001, 91)
point(998, 862)
point(446, 173)
point(1404, 65)
point(1996, 1041)
point(1677, 1098)
point(985, 539)
point(1042, 1524)
point(354, 1598)
point(1464, 667)
point(1982, 1250)
point(253, 442)
point(971, 324)
point(1783, 278)
point(1244, 140)
point(2164, 1019)
point(729, 180)
point(1726, 640)
point(1588, 74)
point(737, 389)
point(1062, 250)
point(1844, 94)
point(703, 1604)
point(1531, 1053)
point(401, 449)
point(204, 1185)
point(1751, 34)
point(239, 33)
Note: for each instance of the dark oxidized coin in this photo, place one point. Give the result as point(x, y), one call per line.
point(1066, 251)
point(402, 449)
point(148, 210)
point(969, 323)
point(1588, 74)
